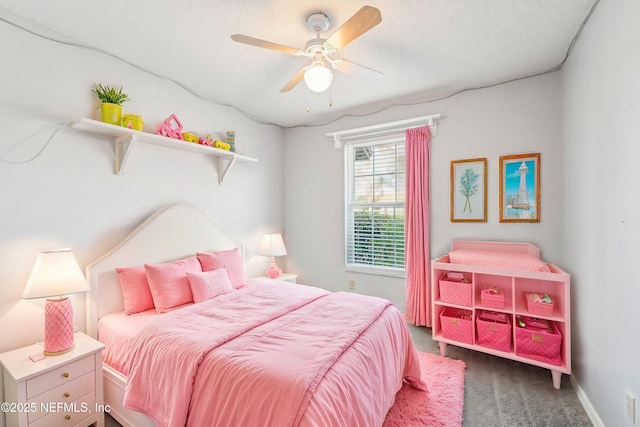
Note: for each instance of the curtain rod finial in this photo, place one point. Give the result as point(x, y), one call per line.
point(433, 124)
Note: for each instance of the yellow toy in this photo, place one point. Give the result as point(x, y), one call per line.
point(221, 145)
point(189, 137)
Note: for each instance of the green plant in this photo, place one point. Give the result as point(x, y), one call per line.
point(108, 94)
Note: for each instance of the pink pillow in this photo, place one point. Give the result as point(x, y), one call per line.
point(209, 284)
point(168, 282)
point(231, 259)
point(135, 289)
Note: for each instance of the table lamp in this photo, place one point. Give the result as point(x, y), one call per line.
point(272, 246)
point(56, 273)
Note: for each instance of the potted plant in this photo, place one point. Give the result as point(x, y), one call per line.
point(112, 101)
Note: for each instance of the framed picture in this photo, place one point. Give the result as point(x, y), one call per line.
point(520, 188)
point(469, 190)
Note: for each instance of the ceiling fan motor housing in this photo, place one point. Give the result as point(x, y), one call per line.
point(313, 46)
point(318, 22)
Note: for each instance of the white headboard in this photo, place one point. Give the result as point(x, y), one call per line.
point(175, 231)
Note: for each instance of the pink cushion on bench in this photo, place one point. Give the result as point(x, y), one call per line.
point(498, 259)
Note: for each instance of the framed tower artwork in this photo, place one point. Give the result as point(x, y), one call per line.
point(520, 188)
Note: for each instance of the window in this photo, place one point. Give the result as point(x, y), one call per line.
point(374, 208)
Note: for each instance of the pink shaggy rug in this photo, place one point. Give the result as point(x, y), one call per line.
point(441, 406)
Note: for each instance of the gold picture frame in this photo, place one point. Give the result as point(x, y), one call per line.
point(520, 188)
point(468, 192)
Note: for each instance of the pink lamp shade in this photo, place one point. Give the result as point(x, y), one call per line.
point(56, 273)
point(272, 246)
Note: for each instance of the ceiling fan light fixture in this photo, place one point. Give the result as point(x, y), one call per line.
point(318, 78)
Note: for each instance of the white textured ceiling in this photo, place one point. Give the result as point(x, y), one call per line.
point(426, 49)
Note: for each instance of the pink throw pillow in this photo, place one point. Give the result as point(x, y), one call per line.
point(209, 284)
point(135, 289)
point(168, 282)
point(232, 259)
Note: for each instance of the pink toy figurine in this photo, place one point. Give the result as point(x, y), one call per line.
point(171, 128)
point(206, 141)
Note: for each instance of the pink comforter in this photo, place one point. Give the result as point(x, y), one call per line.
point(277, 354)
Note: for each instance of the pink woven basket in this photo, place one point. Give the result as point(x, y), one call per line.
point(455, 292)
point(535, 307)
point(536, 343)
point(491, 297)
point(457, 325)
point(492, 333)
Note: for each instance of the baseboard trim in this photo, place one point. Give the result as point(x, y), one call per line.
point(586, 403)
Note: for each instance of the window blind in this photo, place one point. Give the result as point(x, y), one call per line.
point(375, 203)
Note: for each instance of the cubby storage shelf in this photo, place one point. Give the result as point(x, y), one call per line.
point(126, 139)
point(514, 283)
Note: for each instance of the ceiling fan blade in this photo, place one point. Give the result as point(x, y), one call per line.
point(352, 68)
point(364, 20)
point(241, 38)
point(294, 81)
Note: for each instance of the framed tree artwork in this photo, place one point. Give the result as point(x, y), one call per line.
point(469, 190)
point(520, 188)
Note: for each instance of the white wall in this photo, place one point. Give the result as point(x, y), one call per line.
point(68, 196)
point(518, 117)
point(601, 140)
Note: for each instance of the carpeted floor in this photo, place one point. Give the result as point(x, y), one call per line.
point(503, 393)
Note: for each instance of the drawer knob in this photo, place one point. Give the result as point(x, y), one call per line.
point(66, 375)
point(66, 394)
point(67, 417)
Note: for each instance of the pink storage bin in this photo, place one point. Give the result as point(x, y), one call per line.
point(494, 330)
point(492, 297)
point(457, 324)
point(455, 292)
point(539, 340)
point(536, 306)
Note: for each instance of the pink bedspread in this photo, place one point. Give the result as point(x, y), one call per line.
point(118, 332)
point(278, 354)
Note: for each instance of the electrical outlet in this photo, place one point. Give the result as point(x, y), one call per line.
point(631, 407)
point(352, 284)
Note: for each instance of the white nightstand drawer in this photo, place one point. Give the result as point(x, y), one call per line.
point(64, 393)
point(77, 411)
point(59, 376)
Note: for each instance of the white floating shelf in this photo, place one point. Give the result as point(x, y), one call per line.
point(126, 139)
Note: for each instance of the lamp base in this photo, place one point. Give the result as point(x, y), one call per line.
point(273, 271)
point(57, 353)
point(58, 326)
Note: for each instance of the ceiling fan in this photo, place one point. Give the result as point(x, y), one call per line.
point(317, 75)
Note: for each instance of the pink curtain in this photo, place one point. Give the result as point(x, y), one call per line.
point(417, 265)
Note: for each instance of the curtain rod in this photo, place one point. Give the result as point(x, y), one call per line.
point(383, 128)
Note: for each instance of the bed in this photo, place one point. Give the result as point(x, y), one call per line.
point(268, 353)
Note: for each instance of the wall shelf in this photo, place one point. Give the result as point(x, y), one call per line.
point(126, 139)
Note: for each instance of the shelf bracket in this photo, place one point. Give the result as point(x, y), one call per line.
point(224, 169)
point(124, 144)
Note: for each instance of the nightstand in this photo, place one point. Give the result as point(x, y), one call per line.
point(286, 277)
point(63, 390)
